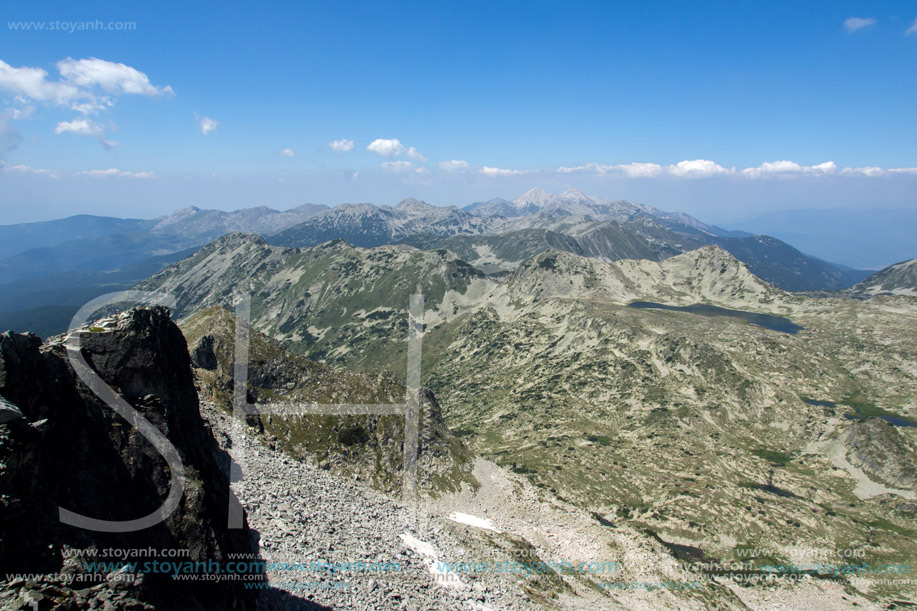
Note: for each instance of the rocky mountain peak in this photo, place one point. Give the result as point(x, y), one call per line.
point(536, 196)
point(237, 239)
point(414, 206)
point(575, 194)
point(336, 245)
point(714, 253)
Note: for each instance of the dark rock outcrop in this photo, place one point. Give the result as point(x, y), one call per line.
point(203, 356)
point(71, 450)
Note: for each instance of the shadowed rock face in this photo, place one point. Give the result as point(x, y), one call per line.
point(203, 355)
point(71, 450)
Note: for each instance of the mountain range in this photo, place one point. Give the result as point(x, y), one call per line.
point(49, 269)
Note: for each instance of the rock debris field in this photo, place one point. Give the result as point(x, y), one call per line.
point(316, 529)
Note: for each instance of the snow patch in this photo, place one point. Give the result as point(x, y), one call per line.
point(440, 570)
point(470, 520)
point(421, 547)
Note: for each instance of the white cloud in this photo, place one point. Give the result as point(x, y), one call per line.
point(858, 23)
point(111, 77)
point(874, 172)
point(93, 107)
point(80, 80)
point(785, 168)
point(208, 125)
point(598, 168)
point(698, 168)
point(413, 154)
point(422, 171)
point(385, 147)
point(703, 168)
point(912, 29)
point(288, 153)
point(870, 171)
point(32, 83)
point(114, 172)
point(456, 165)
point(341, 146)
point(79, 127)
point(82, 86)
point(28, 170)
point(397, 166)
point(640, 170)
point(631, 170)
point(392, 147)
point(84, 127)
point(499, 172)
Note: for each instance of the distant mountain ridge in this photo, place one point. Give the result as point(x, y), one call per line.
point(612, 229)
point(897, 279)
point(195, 222)
point(15, 239)
point(370, 225)
point(575, 202)
point(49, 269)
point(81, 255)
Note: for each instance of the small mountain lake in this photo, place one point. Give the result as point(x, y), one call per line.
point(819, 403)
point(872, 412)
point(899, 421)
point(768, 321)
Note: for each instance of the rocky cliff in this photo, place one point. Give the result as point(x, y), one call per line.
point(70, 450)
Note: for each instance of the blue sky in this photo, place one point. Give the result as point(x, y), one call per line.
point(725, 110)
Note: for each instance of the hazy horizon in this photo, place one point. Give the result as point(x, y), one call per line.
point(870, 239)
point(725, 114)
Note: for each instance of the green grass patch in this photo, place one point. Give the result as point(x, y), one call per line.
point(887, 525)
point(774, 457)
